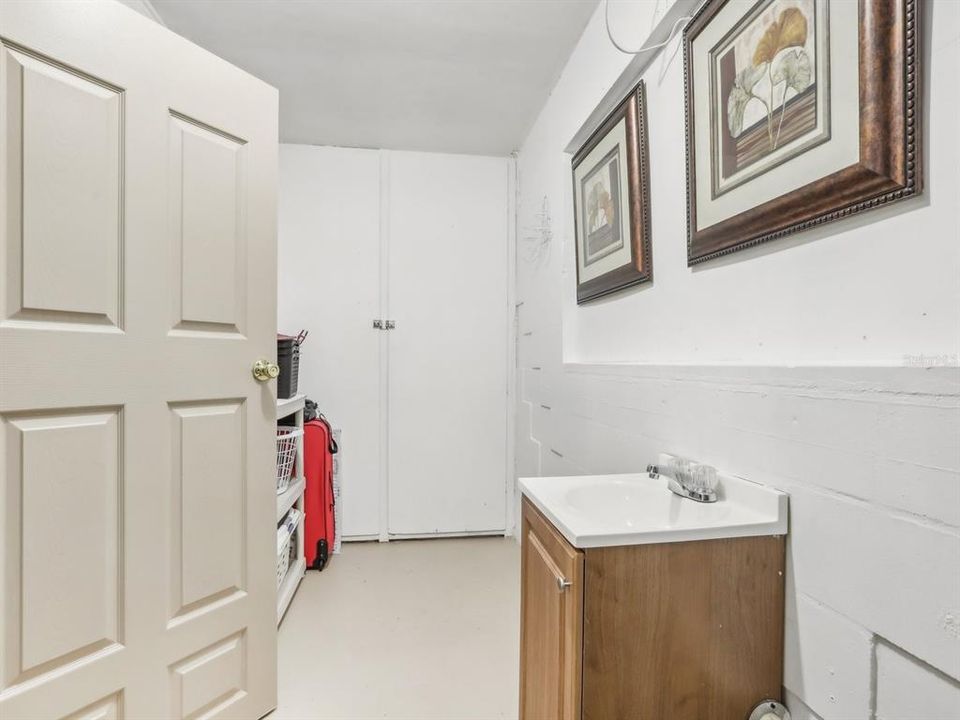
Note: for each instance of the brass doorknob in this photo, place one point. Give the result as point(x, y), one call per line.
point(264, 370)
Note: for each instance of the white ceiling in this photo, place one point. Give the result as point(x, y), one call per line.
point(463, 76)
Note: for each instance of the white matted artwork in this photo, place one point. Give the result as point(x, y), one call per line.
point(770, 90)
point(798, 112)
point(730, 178)
point(603, 215)
point(611, 203)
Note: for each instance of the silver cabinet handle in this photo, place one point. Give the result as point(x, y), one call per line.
point(563, 583)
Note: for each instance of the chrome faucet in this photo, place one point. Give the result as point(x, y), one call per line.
point(697, 482)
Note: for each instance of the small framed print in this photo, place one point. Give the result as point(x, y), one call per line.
point(798, 112)
point(611, 201)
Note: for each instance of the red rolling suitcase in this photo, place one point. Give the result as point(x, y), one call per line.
point(318, 528)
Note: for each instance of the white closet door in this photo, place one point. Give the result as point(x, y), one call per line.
point(330, 284)
point(137, 288)
point(448, 241)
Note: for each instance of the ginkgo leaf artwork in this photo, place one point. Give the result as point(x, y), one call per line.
point(769, 104)
point(797, 113)
point(786, 32)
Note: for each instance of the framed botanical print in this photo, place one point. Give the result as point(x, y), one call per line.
point(611, 200)
point(798, 112)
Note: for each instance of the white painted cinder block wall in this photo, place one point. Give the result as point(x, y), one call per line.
point(803, 364)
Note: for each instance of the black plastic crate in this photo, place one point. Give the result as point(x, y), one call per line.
point(288, 358)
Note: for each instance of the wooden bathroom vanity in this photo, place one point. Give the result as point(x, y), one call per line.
point(685, 630)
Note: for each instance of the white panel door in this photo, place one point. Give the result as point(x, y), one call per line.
point(448, 242)
point(137, 288)
point(330, 284)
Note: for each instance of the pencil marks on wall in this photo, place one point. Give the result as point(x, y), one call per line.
point(538, 238)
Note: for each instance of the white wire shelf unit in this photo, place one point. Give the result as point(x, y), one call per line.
point(292, 497)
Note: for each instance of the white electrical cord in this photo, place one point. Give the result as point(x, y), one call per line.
point(618, 46)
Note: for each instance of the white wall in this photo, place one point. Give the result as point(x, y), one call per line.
point(698, 363)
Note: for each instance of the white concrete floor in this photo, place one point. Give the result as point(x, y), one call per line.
point(408, 630)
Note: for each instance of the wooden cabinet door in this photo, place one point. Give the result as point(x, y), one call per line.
point(551, 624)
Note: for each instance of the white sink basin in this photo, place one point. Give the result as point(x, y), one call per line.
point(607, 510)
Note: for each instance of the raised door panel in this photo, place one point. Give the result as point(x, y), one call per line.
point(109, 708)
point(207, 553)
point(212, 680)
point(63, 194)
point(61, 531)
point(207, 220)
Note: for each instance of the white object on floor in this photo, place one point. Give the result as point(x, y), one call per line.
point(402, 630)
point(635, 509)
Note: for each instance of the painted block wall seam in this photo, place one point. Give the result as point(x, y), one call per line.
point(828, 659)
point(901, 677)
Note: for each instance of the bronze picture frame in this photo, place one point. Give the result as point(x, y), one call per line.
point(612, 246)
point(889, 166)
